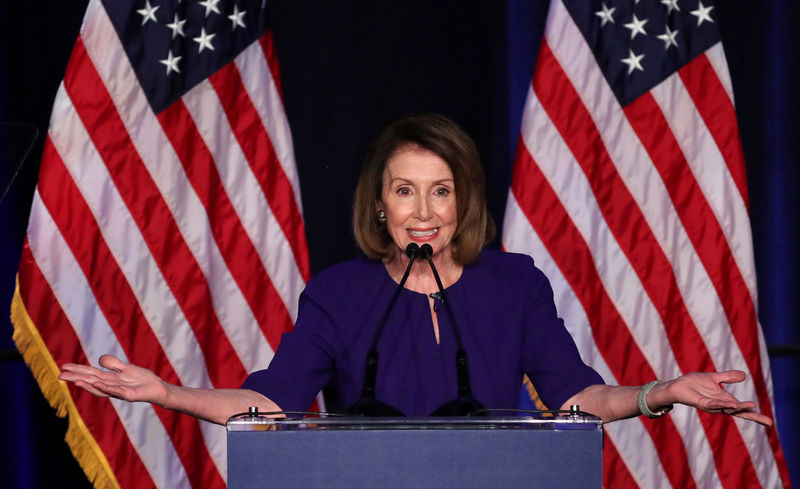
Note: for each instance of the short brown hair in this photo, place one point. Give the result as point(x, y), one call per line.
point(448, 141)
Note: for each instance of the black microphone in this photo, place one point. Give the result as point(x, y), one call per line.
point(368, 405)
point(464, 404)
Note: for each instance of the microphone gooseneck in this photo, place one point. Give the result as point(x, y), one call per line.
point(412, 252)
point(464, 404)
point(367, 405)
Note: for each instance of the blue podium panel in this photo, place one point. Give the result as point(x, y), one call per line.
point(415, 453)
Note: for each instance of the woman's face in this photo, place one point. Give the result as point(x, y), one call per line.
point(419, 197)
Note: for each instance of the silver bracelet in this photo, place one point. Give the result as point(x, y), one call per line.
point(642, 400)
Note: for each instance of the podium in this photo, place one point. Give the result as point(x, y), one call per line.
point(384, 453)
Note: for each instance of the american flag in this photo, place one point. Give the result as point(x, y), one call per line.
point(166, 228)
point(629, 190)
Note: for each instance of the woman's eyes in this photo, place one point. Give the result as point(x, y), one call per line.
point(438, 192)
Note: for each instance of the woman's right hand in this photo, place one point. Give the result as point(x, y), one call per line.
point(122, 380)
point(131, 383)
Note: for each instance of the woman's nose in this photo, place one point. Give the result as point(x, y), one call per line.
point(423, 209)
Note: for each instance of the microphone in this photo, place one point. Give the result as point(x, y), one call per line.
point(464, 404)
point(368, 405)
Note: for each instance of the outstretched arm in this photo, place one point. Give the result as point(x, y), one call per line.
point(131, 383)
point(701, 390)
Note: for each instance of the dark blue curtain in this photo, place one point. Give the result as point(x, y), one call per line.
point(768, 108)
point(347, 68)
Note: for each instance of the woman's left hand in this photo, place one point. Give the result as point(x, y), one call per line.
point(704, 390)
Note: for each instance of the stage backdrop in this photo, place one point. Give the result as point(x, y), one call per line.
point(346, 70)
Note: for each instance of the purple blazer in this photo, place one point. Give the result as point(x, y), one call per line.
point(503, 305)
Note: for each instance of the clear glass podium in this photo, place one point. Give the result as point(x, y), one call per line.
point(382, 453)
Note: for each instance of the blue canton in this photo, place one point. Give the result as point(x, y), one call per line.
point(175, 44)
point(639, 43)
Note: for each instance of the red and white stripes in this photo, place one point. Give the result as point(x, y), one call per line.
point(639, 217)
point(174, 241)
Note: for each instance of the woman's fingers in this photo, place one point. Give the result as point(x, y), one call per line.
point(730, 376)
point(96, 384)
point(112, 363)
point(73, 372)
point(91, 388)
point(753, 416)
point(721, 399)
point(706, 391)
point(88, 375)
point(77, 368)
point(732, 406)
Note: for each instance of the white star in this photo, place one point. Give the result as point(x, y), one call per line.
point(204, 40)
point(606, 14)
point(148, 12)
point(669, 38)
point(210, 5)
point(237, 16)
point(636, 26)
point(633, 61)
point(177, 27)
point(702, 14)
point(671, 5)
point(171, 62)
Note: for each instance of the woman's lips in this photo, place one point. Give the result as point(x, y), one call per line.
point(422, 234)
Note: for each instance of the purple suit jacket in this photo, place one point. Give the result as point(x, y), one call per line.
point(503, 305)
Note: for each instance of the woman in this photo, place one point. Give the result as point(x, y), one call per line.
point(422, 183)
